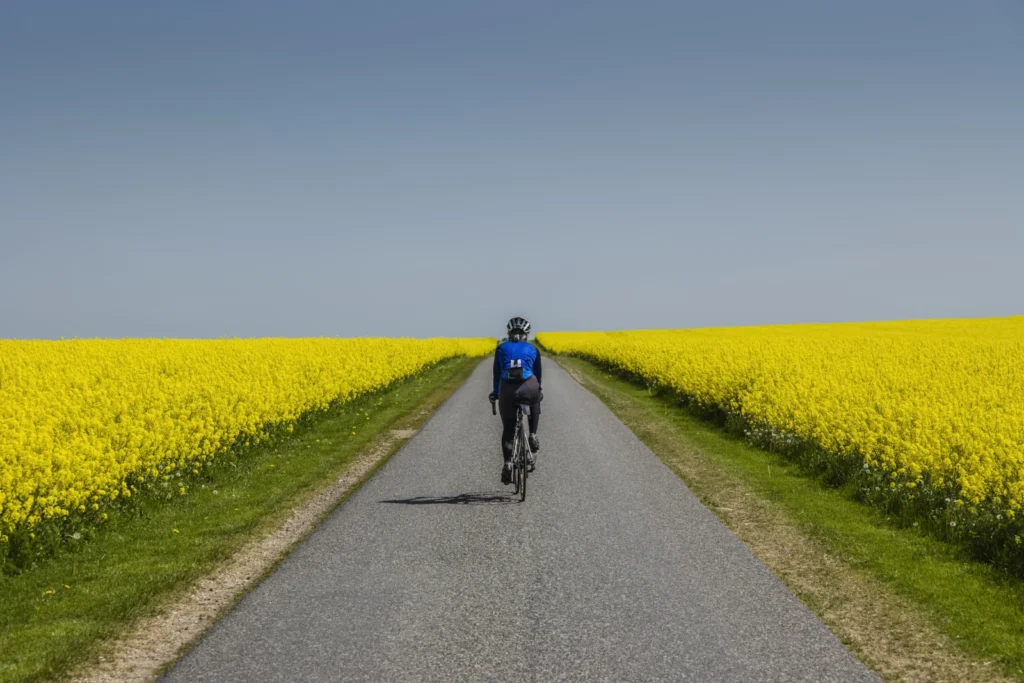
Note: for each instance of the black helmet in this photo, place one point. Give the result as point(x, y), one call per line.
point(518, 327)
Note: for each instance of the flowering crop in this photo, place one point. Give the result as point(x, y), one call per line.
point(931, 409)
point(83, 423)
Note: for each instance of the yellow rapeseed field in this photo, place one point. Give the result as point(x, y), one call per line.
point(83, 422)
point(935, 404)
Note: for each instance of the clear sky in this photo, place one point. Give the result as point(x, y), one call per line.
point(209, 169)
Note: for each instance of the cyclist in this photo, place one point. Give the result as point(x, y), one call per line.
point(517, 378)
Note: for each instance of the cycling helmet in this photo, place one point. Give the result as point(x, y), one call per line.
point(518, 327)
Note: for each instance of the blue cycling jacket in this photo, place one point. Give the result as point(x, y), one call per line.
point(518, 358)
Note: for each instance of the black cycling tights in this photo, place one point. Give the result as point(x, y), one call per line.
point(511, 394)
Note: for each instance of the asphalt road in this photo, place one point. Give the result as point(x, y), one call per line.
point(610, 571)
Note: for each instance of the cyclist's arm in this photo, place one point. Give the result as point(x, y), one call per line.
point(536, 366)
point(497, 370)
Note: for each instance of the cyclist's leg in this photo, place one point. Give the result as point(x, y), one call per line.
point(534, 417)
point(507, 410)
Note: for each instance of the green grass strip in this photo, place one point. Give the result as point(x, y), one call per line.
point(54, 616)
point(975, 605)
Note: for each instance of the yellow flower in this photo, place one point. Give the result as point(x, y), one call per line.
point(86, 421)
point(942, 398)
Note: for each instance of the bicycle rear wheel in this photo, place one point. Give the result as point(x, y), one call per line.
point(523, 451)
point(522, 476)
point(517, 446)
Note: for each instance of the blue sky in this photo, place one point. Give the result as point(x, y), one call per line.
point(210, 169)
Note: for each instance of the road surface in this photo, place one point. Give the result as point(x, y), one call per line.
point(610, 571)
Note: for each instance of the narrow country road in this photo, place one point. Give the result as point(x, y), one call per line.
point(610, 571)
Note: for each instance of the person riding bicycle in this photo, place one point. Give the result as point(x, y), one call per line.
point(517, 380)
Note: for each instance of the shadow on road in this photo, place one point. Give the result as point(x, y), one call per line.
point(461, 499)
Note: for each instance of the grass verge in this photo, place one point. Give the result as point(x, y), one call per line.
point(910, 606)
point(61, 612)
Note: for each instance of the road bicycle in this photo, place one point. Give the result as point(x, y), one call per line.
point(523, 459)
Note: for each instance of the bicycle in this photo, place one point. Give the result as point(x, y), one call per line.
point(523, 458)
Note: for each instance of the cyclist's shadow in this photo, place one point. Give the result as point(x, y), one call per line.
point(488, 498)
